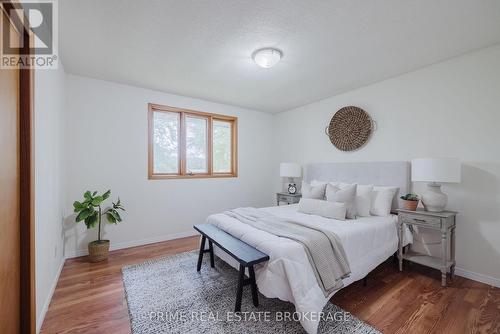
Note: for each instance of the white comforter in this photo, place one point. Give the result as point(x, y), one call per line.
point(367, 241)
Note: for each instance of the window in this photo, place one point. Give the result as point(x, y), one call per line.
point(191, 144)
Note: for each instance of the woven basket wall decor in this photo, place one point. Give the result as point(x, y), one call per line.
point(350, 128)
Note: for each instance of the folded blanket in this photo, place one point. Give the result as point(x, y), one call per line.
point(323, 248)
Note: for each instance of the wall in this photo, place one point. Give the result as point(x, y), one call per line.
point(107, 149)
point(49, 109)
point(448, 109)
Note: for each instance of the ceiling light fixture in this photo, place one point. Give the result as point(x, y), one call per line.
point(267, 57)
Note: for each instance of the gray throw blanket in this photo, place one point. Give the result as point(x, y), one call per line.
point(323, 248)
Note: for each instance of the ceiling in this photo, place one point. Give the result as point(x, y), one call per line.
point(203, 48)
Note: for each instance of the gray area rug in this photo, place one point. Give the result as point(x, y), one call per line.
point(169, 296)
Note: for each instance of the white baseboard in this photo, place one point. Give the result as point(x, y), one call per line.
point(45, 307)
point(478, 277)
point(134, 243)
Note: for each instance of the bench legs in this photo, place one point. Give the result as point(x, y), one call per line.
point(253, 286)
point(211, 250)
point(239, 291)
point(203, 250)
point(241, 283)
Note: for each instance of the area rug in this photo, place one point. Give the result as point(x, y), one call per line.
point(169, 296)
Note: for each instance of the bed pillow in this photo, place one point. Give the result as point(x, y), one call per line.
point(382, 198)
point(322, 208)
point(316, 192)
point(346, 195)
point(363, 201)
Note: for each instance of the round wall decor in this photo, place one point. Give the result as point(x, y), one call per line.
point(350, 128)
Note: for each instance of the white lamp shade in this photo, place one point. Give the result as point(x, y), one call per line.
point(290, 169)
point(446, 170)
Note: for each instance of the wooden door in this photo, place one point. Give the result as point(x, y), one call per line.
point(17, 301)
point(10, 232)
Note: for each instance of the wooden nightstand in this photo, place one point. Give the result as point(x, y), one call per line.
point(441, 221)
point(287, 198)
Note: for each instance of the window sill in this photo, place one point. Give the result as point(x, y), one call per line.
point(194, 176)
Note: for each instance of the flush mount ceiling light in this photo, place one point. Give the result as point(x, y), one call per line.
point(267, 57)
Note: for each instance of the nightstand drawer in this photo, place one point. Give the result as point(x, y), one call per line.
point(421, 220)
point(289, 199)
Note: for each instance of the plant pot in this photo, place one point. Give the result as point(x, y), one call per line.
point(98, 250)
point(410, 205)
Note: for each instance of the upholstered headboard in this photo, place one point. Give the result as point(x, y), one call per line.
point(378, 173)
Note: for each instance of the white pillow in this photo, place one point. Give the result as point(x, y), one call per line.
point(363, 201)
point(382, 200)
point(346, 195)
point(322, 208)
point(317, 192)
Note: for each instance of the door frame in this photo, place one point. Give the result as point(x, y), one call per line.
point(26, 186)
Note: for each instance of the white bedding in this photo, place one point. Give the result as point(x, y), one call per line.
point(367, 241)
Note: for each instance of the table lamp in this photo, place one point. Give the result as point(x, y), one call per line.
point(436, 171)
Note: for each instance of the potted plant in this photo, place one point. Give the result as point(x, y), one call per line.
point(410, 201)
point(90, 212)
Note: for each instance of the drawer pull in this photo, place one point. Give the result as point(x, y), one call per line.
point(419, 220)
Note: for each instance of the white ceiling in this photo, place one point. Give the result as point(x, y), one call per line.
point(203, 48)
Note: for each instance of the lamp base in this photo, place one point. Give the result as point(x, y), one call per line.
point(434, 199)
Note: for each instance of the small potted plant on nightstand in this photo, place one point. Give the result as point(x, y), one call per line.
point(90, 212)
point(410, 201)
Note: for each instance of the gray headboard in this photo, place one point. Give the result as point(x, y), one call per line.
point(379, 173)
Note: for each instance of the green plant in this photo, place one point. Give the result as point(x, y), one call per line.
point(410, 197)
point(90, 210)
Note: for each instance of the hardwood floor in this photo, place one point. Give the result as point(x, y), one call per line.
point(89, 298)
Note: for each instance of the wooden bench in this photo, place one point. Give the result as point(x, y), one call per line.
point(245, 254)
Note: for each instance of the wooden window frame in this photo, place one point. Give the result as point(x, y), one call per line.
point(210, 117)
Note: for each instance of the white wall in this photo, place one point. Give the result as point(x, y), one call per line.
point(107, 149)
point(449, 109)
point(49, 124)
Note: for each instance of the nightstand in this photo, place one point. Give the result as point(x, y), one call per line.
point(441, 221)
point(287, 198)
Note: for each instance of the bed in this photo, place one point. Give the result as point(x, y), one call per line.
point(367, 241)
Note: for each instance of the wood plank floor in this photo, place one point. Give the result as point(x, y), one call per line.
point(89, 298)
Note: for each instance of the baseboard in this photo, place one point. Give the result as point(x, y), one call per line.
point(134, 243)
point(478, 277)
point(41, 317)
